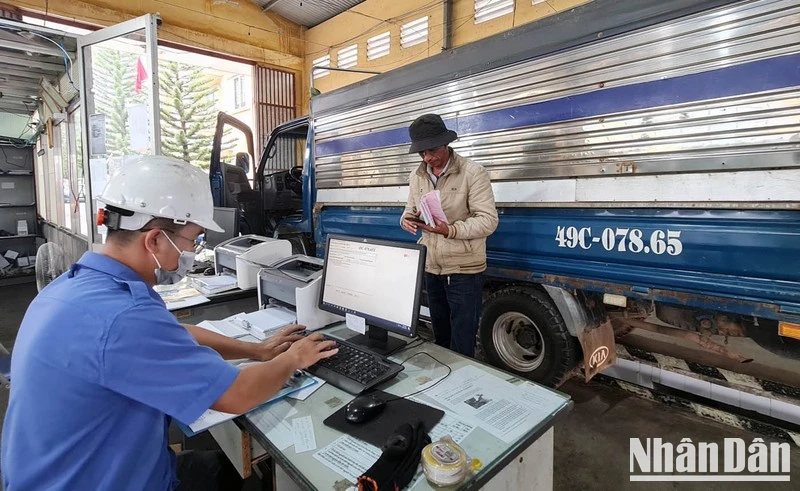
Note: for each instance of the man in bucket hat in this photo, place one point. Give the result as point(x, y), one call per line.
point(456, 255)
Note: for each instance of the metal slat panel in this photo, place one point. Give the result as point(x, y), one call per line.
point(679, 49)
point(308, 13)
point(275, 104)
point(508, 119)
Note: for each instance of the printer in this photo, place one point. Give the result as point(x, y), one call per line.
point(243, 257)
point(280, 279)
point(296, 281)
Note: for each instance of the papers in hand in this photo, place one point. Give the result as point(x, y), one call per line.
point(430, 207)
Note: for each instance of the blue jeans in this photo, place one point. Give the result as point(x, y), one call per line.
point(455, 304)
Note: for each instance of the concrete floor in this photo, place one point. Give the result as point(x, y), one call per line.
point(591, 442)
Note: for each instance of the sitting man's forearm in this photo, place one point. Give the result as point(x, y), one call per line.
point(229, 349)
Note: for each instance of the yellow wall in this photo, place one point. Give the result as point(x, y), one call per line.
point(238, 28)
point(374, 17)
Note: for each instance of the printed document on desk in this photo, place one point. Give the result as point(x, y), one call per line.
point(225, 327)
point(211, 285)
point(180, 295)
point(267, 321)
point(350, 457)
point(503, 409)
point(211, 417)
point(273, 420)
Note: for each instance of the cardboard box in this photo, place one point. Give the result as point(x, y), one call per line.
point(11, 254)
point(22, 262)
point(3, 263)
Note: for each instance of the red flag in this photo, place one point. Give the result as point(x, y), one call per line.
point(141, 75)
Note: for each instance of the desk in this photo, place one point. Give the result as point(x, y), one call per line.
point(526, 463)
point(219, 306)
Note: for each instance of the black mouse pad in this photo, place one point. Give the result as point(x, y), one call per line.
point(381, 427)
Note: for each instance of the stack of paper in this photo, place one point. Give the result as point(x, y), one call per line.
point(180, 295)
point(225, 328)
point(260, 324)
point(210, 285)
point(268, 320)
point(430, 207)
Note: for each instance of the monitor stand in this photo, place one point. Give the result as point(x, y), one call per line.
point(378, 341)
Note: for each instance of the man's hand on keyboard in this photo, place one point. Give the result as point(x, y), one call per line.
point(279, 342)
point(312, 349)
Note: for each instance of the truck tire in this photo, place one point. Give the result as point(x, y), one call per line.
point(522, 332)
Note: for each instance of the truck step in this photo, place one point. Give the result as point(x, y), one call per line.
point(739, 400)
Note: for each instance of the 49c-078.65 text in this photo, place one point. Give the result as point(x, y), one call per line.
point(618, 239)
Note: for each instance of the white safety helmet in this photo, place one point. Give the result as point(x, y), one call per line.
point(159, 187)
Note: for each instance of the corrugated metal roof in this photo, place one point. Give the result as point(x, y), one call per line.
point(307, 13)
point(28, 55)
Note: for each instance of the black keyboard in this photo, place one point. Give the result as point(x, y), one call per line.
point(354, 369)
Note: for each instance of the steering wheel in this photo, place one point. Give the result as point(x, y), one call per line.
point(296, 174)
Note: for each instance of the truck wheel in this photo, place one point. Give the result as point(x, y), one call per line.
point(522, 332)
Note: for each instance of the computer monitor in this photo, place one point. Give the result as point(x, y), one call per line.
point(228, 219)
point(375, 279)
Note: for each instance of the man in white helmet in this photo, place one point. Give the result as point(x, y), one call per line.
point(100, 366)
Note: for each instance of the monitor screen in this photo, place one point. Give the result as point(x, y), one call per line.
point(228, 219)
point(375, 279)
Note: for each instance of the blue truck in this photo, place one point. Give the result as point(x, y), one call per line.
point(645, 160)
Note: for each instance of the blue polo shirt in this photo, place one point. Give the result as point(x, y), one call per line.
point(98, 367)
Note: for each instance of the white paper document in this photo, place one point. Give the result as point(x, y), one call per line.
point(268, 321)
point(273, 420)
point(351, 457)
point(455, 428)
point(211, 285)
point(356, 323)
point(210, 418)
point(303, 394)
point(348, 456)
point(229, 329)
point(180, 295)
point(503, 409)
point(186, 302)
point(303, 431)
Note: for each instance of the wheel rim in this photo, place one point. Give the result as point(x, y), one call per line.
point(518, 341)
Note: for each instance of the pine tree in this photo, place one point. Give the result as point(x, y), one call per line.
point(188, 112)
point(114, 80)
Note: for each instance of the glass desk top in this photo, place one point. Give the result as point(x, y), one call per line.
point(493, 452)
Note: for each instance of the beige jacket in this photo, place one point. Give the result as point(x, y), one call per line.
point(468, 204)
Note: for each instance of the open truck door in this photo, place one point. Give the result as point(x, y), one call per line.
point(231, 186)
point(274, 199)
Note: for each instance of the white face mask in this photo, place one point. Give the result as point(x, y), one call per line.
point(185, 264)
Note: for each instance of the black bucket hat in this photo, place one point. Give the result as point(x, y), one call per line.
point(428, 131)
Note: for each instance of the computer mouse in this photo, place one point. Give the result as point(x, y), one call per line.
point(363, 409)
